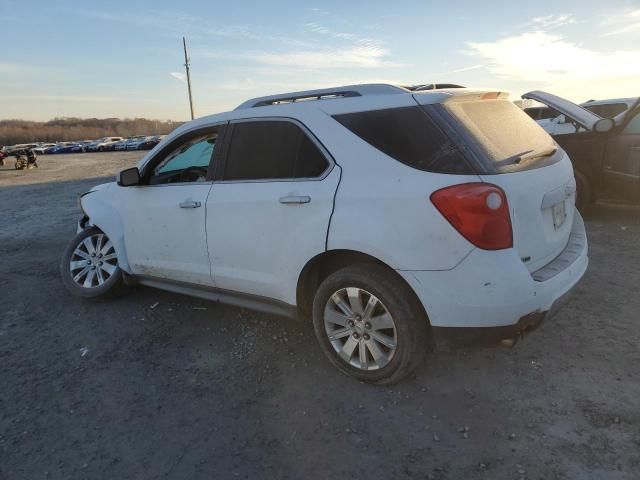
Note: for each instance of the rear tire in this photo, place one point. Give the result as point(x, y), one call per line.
point(370, 324)
point(583, 192)
point(89, 266)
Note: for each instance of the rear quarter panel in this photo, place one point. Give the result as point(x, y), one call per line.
point(383, 207)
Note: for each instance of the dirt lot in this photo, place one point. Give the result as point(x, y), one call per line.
point(157, 385)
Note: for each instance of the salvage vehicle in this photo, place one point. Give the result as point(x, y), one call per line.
point(150, 142)
point(41, 148)
point(605, 152)
point(124, 144)
point(3, 154)
point(392, 219)
point(556, 123)
point(103, 144)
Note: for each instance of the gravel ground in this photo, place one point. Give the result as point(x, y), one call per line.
point(157, 385)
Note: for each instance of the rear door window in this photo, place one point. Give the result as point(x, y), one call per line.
point(271, 150)
point(408, 135)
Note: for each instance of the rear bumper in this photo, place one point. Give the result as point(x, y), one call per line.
point(495, 289)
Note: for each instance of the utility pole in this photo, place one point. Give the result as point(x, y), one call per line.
point(186, 66)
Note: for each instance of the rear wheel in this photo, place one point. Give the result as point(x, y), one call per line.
point(369, 324)
point(583, 192)
point(89, 265)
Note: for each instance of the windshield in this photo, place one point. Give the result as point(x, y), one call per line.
point(509, 138)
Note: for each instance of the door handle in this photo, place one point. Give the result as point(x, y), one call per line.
point(295, 199)
point(189, 204)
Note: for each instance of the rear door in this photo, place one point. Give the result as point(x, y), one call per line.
point(269, 210)
point(621, 163)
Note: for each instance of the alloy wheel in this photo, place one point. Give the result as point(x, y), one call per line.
point(360, 328)
point(93, 261)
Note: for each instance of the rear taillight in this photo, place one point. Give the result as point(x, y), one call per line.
point(479, 211)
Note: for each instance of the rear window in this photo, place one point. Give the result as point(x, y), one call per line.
point(607, 110)
point(509, 138)
point(409, 136)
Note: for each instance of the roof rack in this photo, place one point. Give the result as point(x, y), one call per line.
point(323, 94)
point(431, 86)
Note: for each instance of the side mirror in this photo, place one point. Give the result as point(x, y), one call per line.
point(128, 177)
point(604, 125)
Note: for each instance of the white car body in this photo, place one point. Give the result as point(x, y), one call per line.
point(245, 247)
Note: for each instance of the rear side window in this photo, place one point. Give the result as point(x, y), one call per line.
point(408, 135)
point(272, 150)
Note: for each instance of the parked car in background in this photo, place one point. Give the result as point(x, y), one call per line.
point(103, 144)
point(123, 145)
point(3, 155)
point(145, 143)
point(605, 152)
point(425, 220)
point(41, 148)
point(11, 150)
point(555, 123)
point(66, 147)
point(151, 142)
point(81, 147)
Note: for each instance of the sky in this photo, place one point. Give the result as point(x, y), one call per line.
point(120, 58)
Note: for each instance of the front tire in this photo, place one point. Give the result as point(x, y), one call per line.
point(89, 265)
point(370, 324)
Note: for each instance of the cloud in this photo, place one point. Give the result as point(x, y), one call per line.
point(549, 56)
point(551, 59)
point(552, 21)
point(621, 23)
point(356, 56)
point(179, 76)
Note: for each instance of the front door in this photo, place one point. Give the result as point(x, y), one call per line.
point(164, 217)
point(270, 211)
point(621, 164)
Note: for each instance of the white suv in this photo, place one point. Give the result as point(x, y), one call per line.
point(392, 218)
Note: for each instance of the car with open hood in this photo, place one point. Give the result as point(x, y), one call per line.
point(605, 152)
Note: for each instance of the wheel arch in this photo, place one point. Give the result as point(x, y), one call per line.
point(324, 264)
point(103, 215)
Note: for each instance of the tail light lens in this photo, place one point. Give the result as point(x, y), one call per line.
point(479, 211)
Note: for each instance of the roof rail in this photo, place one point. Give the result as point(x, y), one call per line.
point(323, 93)
point(431, 86)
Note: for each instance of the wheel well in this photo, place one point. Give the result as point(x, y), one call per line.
point(323, 265)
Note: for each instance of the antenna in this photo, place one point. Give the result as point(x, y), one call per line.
point(186, 66)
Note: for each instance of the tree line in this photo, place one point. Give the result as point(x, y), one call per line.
point(70, 129)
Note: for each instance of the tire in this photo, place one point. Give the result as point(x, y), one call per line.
point(101, 149)
point(353, 334)
point(583, 192)
point(107, 279)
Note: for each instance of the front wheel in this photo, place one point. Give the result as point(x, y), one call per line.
point(370, 324)
point(89, 265)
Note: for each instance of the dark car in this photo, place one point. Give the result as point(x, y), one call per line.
point(150, 142)
point(67, 148)
point(605, 152)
